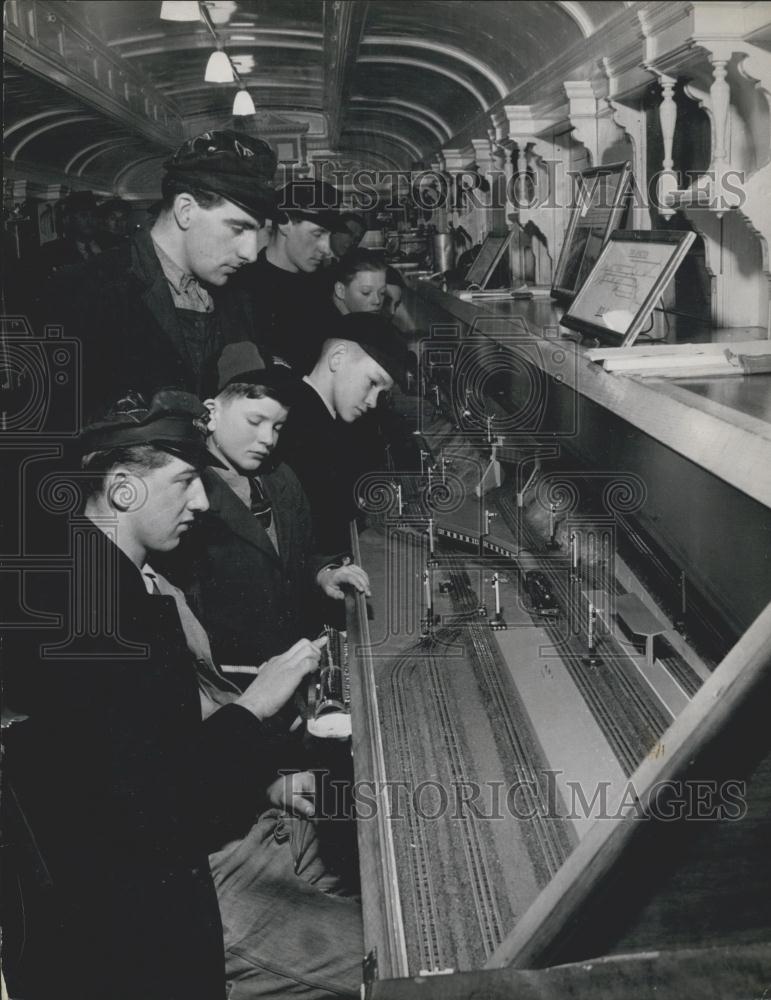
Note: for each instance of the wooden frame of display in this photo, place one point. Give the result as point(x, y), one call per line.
point(607, 845)
point(635, 268)
point(590, 225)
point(488, 258)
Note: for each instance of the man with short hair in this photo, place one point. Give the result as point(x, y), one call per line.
point(78, 241)
point(348, 234)
point(362, 357)
point(155, 312)
point(292, 309)
point(125, 789)
point(113, 217)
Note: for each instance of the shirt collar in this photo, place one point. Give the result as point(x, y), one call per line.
point(149, 578)
point(331, 411)
point(179, 279)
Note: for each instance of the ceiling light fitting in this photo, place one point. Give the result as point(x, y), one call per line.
point(180, 10)
point(243, 104)
point(219, 68)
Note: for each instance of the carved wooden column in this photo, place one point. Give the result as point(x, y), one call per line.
point(667, 182)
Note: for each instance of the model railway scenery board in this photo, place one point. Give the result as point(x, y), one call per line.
point(528, 668)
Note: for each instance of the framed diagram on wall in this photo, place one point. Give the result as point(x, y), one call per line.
point(624, 285)
point(601, 200)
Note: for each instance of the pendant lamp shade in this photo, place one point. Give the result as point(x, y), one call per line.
point(180, 10)
point(243, 104)
point(219, 69)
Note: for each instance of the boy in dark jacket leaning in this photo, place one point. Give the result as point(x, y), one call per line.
point(251, 569)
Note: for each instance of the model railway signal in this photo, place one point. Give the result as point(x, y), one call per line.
point(497, 622)
point(431, 550)
point(592, 659)
point(552, 543)
point(574, 575)
point(399, 502)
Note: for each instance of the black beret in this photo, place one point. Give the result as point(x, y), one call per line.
point(236, 166)
point(310, 199)
point(174, 421)
point(242, 363)
point(379, 338)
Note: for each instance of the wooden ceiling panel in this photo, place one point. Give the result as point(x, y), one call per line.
point(417, 72)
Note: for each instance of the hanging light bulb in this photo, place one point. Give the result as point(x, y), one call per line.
point(243, 104)
point(180, 10)
point(219, 69)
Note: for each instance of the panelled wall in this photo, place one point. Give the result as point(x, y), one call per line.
point(682, 91)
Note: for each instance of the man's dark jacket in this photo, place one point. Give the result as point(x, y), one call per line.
point(253, 601)
point(127, 790)
point(295, 315)
point(119, 305)
point(313, 443)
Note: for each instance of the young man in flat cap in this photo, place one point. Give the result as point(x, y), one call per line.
point(156, 312)
point(125, 789)
point(291, 305)
point(361, 358)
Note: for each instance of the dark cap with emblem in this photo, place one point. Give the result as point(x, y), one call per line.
point(311, 200)
point(379, 338)
point(173, 421)
point(236, 166)
point(241, 363)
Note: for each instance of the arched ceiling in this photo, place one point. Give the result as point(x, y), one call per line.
point(100, 91)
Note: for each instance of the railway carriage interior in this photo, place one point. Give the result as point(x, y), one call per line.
point(556, 696)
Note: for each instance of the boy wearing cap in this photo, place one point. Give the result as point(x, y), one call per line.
point(126, 790)
point(291, 305)
point(250, 571)
point(362, 357)
point(155, 312)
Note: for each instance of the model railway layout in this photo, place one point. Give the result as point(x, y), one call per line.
point(460, 706)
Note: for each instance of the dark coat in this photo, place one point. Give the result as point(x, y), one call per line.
point(127, 791)
point(313, 443)
point(254, 602)
point(120, 306)
point(295, 312)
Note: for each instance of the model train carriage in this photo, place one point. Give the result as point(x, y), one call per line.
point(540, 593)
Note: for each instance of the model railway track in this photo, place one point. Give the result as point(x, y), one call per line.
point(481, 884)
point(618, 699)
point(421, 882)
point(630, 720)
point(552, 846)
point(485, 903)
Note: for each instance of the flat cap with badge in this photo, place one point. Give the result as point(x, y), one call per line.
point(236, 166)
point(241, 363)
point(173, 421)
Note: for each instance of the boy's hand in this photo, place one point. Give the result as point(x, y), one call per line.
point(294, 793)
point(331, 581)
point(279, 677)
